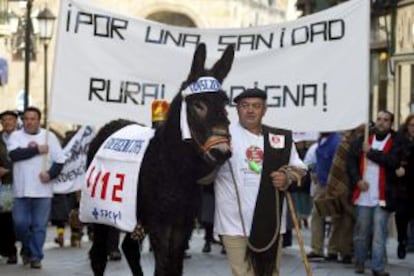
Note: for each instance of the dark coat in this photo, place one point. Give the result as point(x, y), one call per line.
point(5, 161)
point(386, 160)
point(404, 151)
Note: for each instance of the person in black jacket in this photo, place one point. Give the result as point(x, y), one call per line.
point(371, 169)
point(8, 249)
point(404, 145)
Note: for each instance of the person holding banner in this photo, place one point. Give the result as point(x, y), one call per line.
point(31, 188)
point(250, 214)
point(371, 166)
point(8, 249)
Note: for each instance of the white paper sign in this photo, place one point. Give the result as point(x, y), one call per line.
point(73, 173)
point(110, 189)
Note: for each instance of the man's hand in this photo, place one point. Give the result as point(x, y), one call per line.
point(3, 171)
point(44, 177)
point(363, 185)
point(280, 180)
point(43, 149)
point(400, 172)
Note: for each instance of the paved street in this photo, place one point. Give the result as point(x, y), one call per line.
point(72, 261)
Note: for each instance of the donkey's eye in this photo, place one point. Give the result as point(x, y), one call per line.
point(200, 108)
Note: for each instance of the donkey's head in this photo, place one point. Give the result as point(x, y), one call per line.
point(206, 102)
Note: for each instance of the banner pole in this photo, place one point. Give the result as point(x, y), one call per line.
point(298, 234)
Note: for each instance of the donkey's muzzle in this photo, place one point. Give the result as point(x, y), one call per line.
point(217, 150)
point(218, 157)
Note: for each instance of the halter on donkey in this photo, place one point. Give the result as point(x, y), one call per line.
point(168, 193)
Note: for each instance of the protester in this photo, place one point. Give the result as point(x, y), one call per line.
point(32, 191)
point(337, 201)
point(206, 216)
point(248, 211)
point(404, 145)
point(7, 236)
point(327, 144)
point(373, 179)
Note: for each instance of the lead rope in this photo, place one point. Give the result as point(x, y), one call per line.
point(273, 240)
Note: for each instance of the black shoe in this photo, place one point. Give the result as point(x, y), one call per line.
point(187, 256)
point(223, 251)
point(332, 257)
point(359, 268)
point(346, 259)
point(37, 264)
point(115, 256)
point(401, 250)
point(12, 260)
point(214, 241)
point(207, 248)
point(380, 273)
point(24, 253)
point(313, 255)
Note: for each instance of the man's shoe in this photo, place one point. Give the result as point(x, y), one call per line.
point(115, 256)
point(12, 260)
point(207, 247)
point(313, 255)
point(359, 268)
point(401, 250)
point(36, 264)
point(332, 257)
point(60, 240)
point(24, 253)
point(380, 273)
point(214, 241)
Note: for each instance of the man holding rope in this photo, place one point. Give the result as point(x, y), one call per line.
point(250, 213)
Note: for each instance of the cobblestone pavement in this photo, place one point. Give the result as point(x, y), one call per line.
point(74, 261)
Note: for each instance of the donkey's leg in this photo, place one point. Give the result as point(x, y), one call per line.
point(179, 239)
point(98, 253)
point(160, 242)
point(132, 253)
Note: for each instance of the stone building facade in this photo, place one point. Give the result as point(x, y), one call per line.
point(190, 13)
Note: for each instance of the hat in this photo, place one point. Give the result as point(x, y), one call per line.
point(251, 93)
point(8, 112)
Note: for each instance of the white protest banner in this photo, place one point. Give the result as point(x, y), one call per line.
point(314, 69)
point(110, 189)
point(73, 172)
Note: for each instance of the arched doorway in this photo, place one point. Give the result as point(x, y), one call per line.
point(172, 18)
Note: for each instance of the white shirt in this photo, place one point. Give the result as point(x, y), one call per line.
point(26, 181)
point(370, 198)
point(245, 145)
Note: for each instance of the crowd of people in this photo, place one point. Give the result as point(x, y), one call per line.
point(347, 183)
point(365, 180)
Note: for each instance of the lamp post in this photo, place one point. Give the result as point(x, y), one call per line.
point(27, 49)
point(46, 20)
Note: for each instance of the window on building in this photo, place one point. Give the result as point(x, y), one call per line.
point(3, 12)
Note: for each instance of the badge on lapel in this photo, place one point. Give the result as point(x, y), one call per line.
point(277, 141)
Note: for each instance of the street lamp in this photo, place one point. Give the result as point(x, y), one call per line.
point(27, 49)
point(46, 20)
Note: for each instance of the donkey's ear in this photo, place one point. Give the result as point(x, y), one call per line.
point(223, 65)
point(197, 68)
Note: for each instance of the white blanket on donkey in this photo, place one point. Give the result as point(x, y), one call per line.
point(109, 192)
